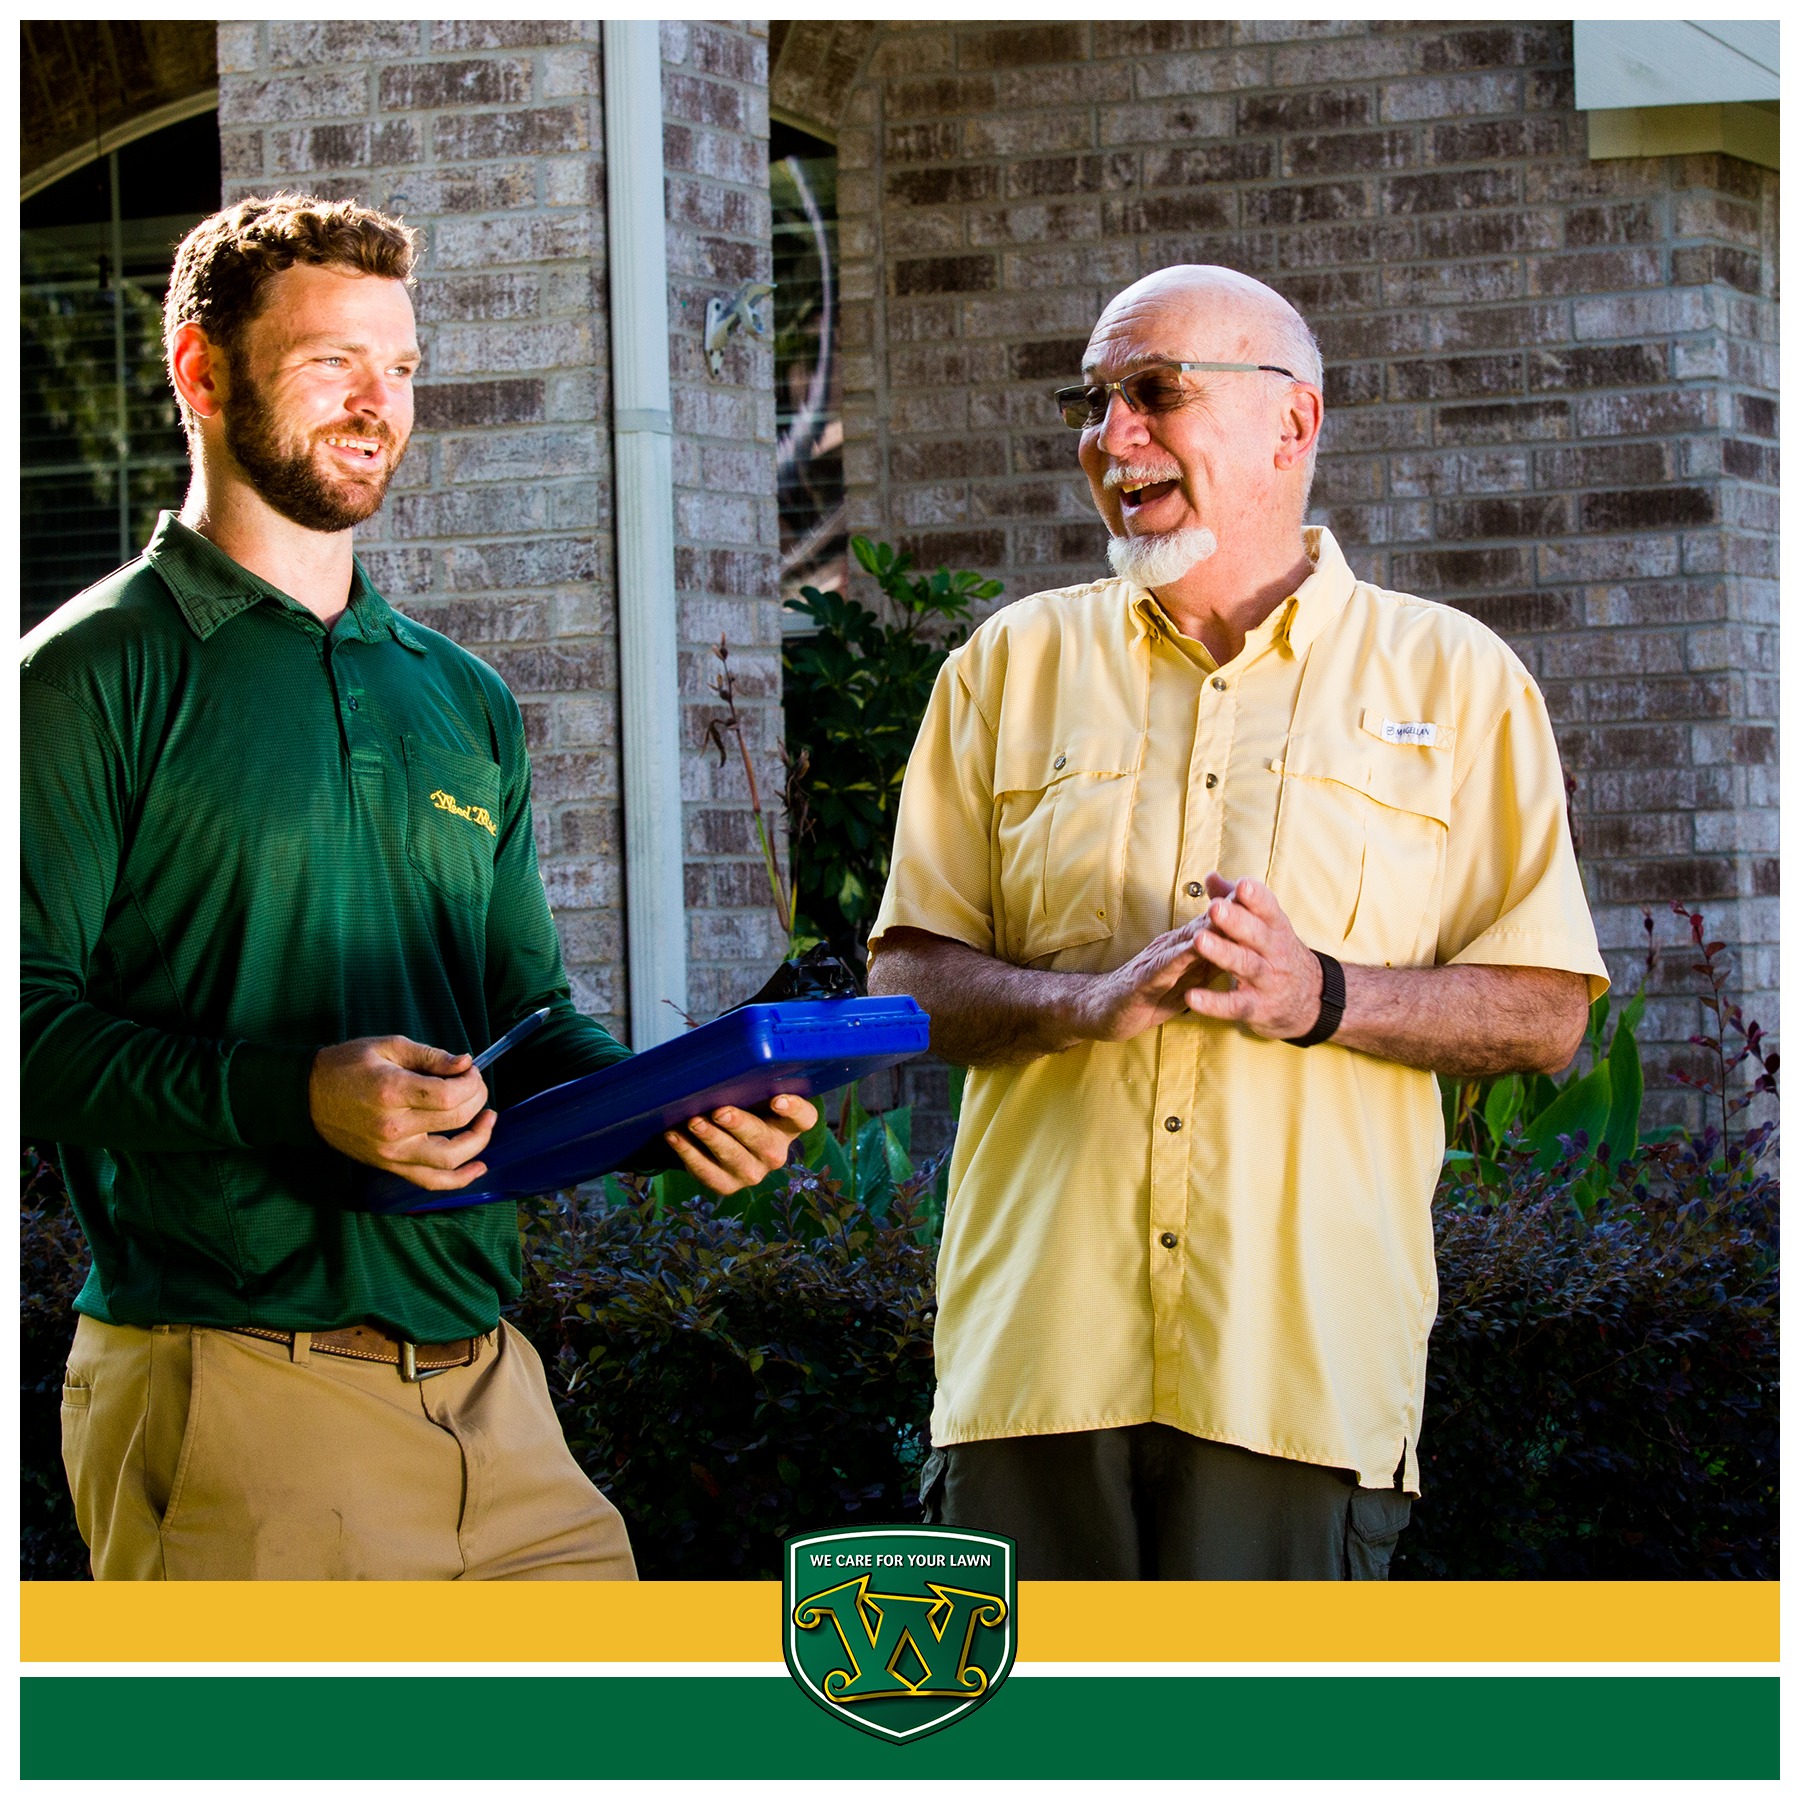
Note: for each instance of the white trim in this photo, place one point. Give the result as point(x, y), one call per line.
point(1674, 62)
point(644, 511)
point(1021, 1671)
point(172, 113)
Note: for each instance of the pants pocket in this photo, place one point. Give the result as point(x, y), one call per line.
point(77, 1398)
point(171, 1419)
point(1372, 1526)
point(931, 1487)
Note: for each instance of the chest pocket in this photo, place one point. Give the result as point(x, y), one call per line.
point(1360, 840)
point(1062, 818)
point(452, 819)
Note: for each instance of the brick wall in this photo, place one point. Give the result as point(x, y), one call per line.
point(1550, 381)
point(727, 539)
point(489, 137)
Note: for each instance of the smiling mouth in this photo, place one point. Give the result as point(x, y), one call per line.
point(1135, 495)
point(363, 448)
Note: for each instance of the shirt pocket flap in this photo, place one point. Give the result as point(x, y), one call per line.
point(1414, 778)
point(1061, 816)
point(1024, 768)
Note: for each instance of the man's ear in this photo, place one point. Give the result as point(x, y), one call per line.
point(197, 368)
point(1302, 418)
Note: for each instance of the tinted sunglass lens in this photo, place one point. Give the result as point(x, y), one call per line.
point(1154, 391)
point(1081, 407)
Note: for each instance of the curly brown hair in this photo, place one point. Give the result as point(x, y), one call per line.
point(224, 263)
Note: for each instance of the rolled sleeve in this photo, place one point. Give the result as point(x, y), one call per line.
point(1512, 887)
point(940, 878)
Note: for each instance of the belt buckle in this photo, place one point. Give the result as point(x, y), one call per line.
point(409, 1364)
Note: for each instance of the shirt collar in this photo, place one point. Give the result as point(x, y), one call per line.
point(1297, 621)
point(1321, 596)
point(211, 589)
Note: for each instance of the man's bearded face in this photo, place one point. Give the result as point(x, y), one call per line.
point(328, 478)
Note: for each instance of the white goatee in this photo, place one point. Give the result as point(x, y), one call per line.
point(1158, 560)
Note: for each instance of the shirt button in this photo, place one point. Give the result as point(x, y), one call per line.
point(1195, 890)
point(1059, 762)
point(1171, 1123)
point(1168, 1240)
point(355, 703)
point(1219, 683)
point(1212, 781)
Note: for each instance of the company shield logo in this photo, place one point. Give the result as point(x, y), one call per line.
point(900, 1630)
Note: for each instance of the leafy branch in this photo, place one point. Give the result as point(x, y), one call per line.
point(1714, 968)
point(855, 691)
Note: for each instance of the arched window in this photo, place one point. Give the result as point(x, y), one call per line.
point(809, 426)
point(101, 448)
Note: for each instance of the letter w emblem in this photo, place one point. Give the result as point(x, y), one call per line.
point(902, 1643)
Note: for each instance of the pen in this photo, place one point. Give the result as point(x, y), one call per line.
point(519, 1033)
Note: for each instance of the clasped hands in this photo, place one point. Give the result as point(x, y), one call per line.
point(1277, 982)
point(422, 1113)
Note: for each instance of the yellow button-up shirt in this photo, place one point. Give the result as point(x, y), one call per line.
point(1202, 1227)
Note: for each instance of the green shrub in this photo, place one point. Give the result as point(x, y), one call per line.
point(853, 693)
point(1602, 1387)
point(53, 1262)
point(1601, 1392)
point(732, 1380)
point(1601, 1397)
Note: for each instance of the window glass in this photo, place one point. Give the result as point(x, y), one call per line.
point(101, 448)
point(808, 422)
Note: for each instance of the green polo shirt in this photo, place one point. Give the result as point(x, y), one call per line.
point(245, 837)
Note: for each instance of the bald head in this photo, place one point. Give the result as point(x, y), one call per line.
point(1266, 328)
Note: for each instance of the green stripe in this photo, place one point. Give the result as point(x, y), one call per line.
point(1167, 1727)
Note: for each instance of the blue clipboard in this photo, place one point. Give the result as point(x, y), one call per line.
point(597, 1122)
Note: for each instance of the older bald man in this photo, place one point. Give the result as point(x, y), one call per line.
point(1202, 871)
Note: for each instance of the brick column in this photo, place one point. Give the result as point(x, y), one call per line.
point(727, 539)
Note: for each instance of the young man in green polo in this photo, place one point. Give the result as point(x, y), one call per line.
point(279, 884)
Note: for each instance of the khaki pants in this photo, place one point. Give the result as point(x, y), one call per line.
point(195, 1455)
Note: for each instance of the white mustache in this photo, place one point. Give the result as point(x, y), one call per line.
point(1130, 474)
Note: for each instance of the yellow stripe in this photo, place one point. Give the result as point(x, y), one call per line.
point(740, 1621)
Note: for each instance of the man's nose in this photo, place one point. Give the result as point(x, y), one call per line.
point(373, 391)
point(1121, 429)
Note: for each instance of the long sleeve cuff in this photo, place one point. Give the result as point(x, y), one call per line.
point(267, 1088)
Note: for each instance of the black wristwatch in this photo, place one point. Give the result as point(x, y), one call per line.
point(1331, 1003)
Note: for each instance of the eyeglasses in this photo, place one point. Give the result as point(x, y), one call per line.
point(1154, 390)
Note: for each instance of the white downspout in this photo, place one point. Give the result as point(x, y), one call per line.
point(643, 476)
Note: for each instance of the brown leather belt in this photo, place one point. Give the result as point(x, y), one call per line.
point(368, 1344)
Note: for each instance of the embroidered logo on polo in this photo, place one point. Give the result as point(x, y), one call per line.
point(899, 1630)
point(476, 815)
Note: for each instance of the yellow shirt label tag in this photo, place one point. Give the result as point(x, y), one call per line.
point(1409, 731)
point(476, 815)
